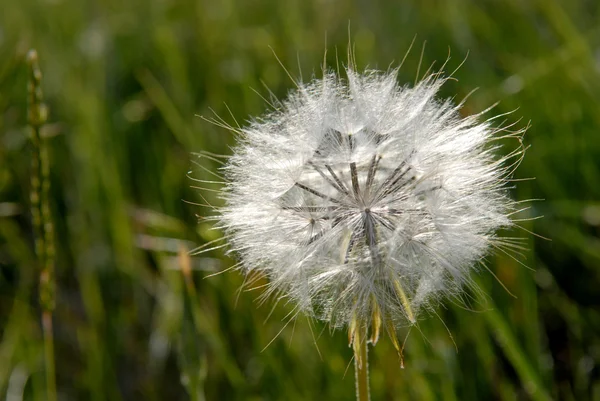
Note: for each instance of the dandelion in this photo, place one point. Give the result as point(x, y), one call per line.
point(365, 202)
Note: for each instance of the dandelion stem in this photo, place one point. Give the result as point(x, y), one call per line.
point(361, 364)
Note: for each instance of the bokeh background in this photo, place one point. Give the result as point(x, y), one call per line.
point(124, 81)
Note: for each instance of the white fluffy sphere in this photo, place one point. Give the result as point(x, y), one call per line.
point(363, 201)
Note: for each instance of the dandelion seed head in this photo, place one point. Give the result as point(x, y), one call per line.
point(364, 201)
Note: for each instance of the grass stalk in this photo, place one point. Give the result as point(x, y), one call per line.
point(41, 216)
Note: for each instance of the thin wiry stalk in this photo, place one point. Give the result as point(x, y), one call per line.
point(41, 216)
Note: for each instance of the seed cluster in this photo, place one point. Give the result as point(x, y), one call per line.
point(363, 201)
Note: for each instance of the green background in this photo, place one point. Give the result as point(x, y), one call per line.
point(123, 81)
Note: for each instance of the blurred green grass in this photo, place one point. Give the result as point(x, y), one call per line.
point(124, 81)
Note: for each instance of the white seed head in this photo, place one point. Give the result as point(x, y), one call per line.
point(363, 201)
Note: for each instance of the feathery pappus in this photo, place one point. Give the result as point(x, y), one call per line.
point(365, 202)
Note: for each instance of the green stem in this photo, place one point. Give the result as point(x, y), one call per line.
point(361, 366)
point(49, 355)
point(41, 216)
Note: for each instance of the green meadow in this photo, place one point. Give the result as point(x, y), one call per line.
point(126, 84)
